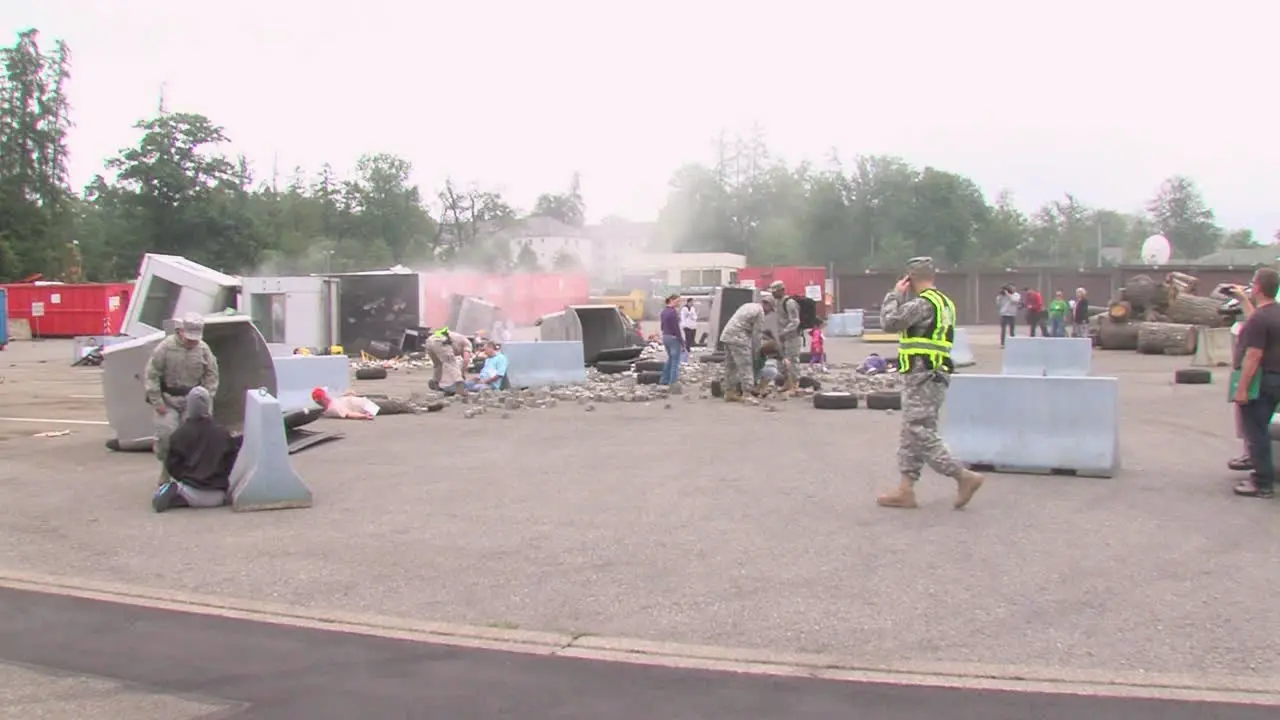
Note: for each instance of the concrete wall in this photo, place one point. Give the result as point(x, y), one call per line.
point(974, 291)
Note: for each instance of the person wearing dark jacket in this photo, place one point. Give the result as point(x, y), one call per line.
point(672, 340)
point(1080, 315)
point(201, 456)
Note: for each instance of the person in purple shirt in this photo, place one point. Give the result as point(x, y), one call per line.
point(669, 322)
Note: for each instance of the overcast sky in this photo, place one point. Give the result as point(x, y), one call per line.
point(1102, 99)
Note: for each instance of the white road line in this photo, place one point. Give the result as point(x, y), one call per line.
point(49, 421)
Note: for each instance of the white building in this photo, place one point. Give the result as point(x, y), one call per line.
point(549, 239)
point(685, 270)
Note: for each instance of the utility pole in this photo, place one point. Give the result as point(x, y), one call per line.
point(161, 106)
point(1097, 219)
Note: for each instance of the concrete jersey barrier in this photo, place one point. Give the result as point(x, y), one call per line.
point(1051, 357)
point(298, 375)
point(961, 350)
point(1213, 347)
point(263, 477)
point(537, 364)
point(1034, 424)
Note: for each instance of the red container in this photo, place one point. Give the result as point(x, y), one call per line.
point(797, 279)
point(521, 297)
point(70, 310)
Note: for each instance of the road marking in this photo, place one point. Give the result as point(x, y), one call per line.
point(49, 421)
point(1254, 690)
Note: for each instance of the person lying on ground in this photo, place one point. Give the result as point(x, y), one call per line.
point(201, 456)
point(873, 365)
point(345, 407)
point(492, 372)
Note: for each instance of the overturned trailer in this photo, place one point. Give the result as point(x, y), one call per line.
point(293, 312)
point(598, 327)
point(244, 363)
point(170, 286)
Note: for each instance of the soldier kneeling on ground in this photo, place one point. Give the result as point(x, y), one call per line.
point(200, 458)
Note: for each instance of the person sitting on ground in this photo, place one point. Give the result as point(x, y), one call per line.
point(873, 365)
point(493, 372)
point(201, 456)
point(345, 407)
point(768, 367)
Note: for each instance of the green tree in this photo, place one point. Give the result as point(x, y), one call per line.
point(1181, 215)
point(567, 207)
point(1239, 240)
point(1001, 237)
point(471, 227)
point(565, 260)
point(36, 217)
point(526, 259)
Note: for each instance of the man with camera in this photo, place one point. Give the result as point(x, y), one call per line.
point(1256, 378)
point(926, 322)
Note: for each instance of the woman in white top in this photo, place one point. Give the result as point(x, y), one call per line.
point(689, 324)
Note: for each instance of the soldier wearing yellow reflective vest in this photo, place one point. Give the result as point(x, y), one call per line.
point(449, 353)
point(926, 325)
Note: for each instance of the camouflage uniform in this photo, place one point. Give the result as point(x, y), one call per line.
point(446, 350)
point(923, 392)
point(740, 338)
point(172, 372)
point(789, 338)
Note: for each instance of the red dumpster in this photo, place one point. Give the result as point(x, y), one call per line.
point(70, 309)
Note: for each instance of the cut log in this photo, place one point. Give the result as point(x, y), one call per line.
point(1120, 311)
point(1195, 310)
point(1166, 339)
point(1117, 336)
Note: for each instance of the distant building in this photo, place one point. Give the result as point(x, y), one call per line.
point(685, 270)
point(549, 238)
point(1247, 257)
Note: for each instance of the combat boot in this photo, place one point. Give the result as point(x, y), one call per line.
point(903, 496)
point(790, 387)
point(967, 482)
point(733, 394)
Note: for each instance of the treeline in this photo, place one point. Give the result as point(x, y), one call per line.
point(875, 212)
point(175, 192)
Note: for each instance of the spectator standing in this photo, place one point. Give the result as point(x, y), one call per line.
point(818, 346)
point(1080, 315)
point(1034, 303)
point(1058, 310)
point(1256, 381)
point(669, 322)
point(1007, 303)
point(688, 325)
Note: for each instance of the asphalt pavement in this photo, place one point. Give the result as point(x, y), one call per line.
point(257, 671)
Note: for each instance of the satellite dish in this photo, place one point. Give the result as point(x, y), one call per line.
point(1156, 250)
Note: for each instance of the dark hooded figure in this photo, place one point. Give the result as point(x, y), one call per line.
point(201, 455)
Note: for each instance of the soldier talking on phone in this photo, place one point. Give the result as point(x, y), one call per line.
point(926, 322)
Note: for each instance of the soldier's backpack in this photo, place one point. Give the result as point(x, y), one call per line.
point(808, 311)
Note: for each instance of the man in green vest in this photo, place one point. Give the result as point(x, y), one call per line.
point(926, 322)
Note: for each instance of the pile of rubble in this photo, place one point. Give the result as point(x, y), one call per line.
point(632, 387)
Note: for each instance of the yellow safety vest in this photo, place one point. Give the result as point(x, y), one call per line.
point(442, 332)
point(932, 342)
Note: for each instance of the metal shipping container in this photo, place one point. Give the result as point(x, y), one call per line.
point(67, 310)
point(809, 281)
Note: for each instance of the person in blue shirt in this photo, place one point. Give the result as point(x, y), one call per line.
point(492, 372)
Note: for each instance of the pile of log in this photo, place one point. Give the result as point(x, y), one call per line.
point(1158, 317)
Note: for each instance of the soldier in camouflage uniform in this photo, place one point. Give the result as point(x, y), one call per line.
point(180, 363)
point(449, 353)
point(925, 319)
point(788, 335)
point(740, 337)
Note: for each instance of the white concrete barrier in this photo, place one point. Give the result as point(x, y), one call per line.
point(263, 478)
point(536, 364)
point(961, 351)
point(1051, 357)
point(1034, 424)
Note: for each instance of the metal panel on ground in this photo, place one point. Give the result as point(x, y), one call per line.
point(1034, 424)
point(1052, 357)
point(536, 364)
